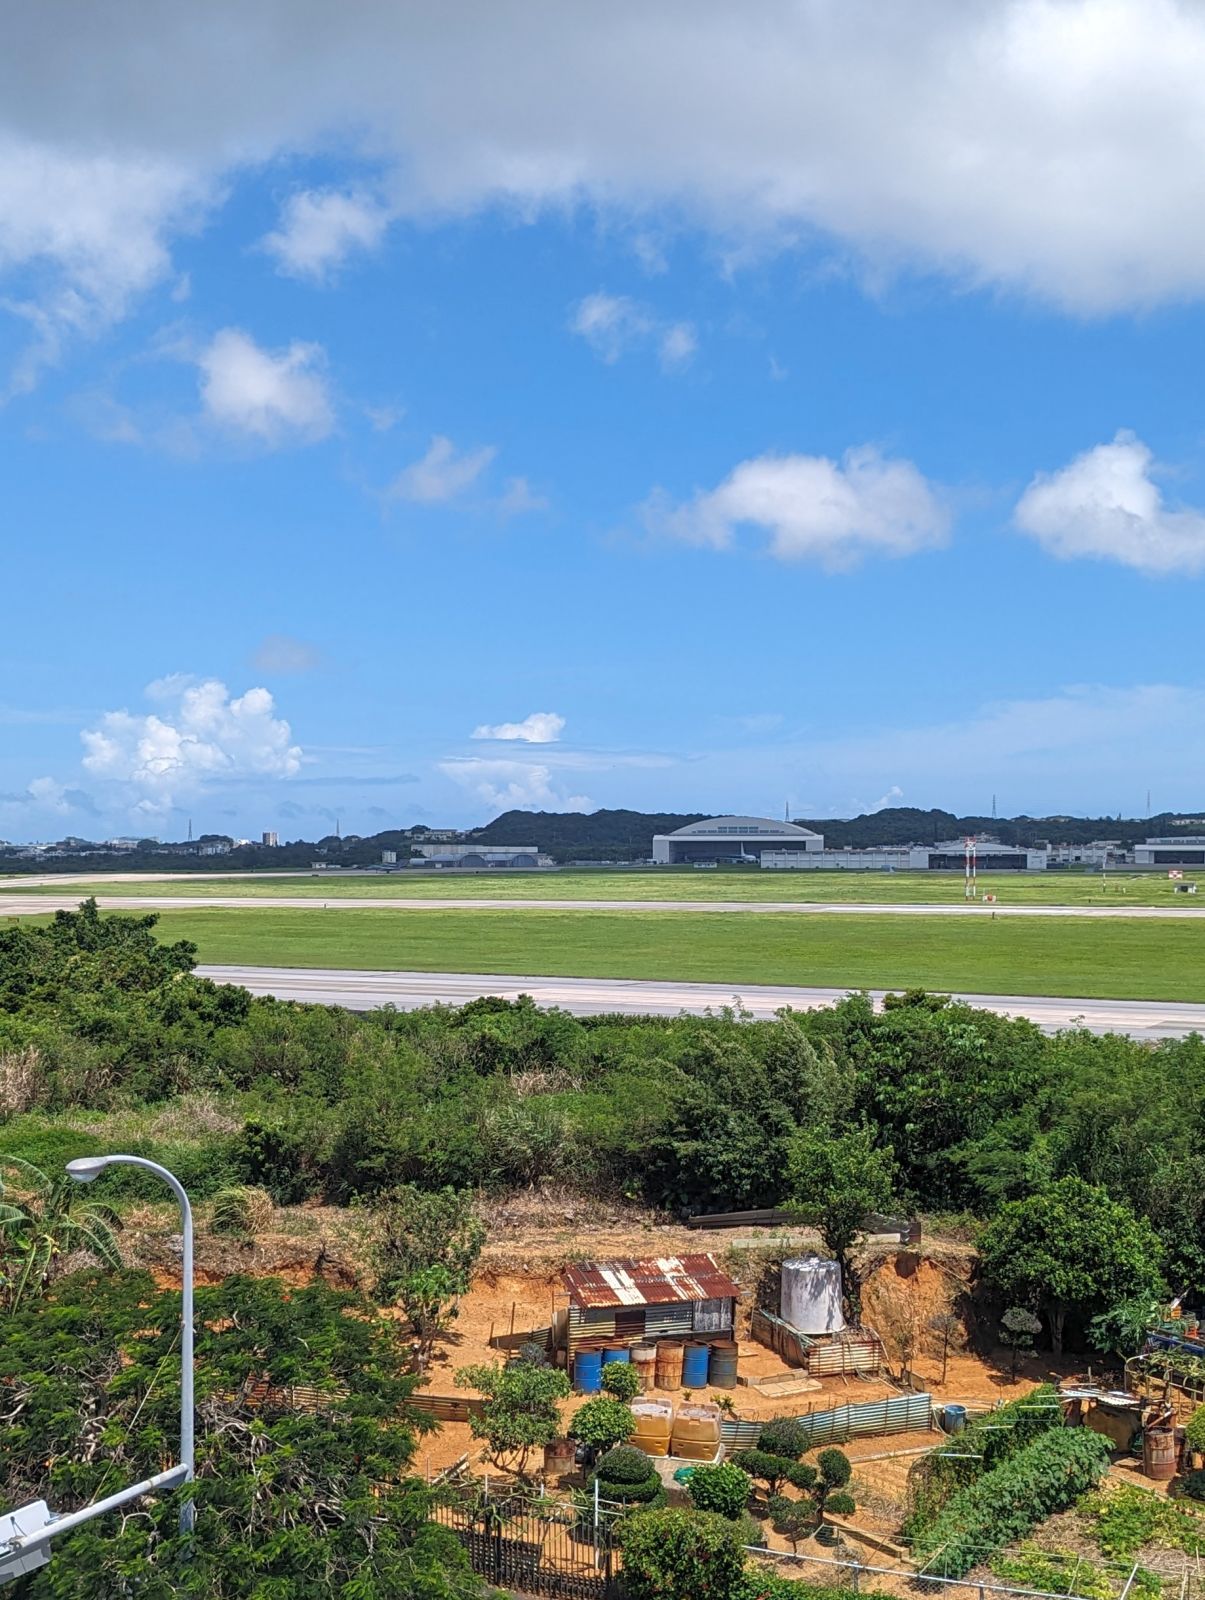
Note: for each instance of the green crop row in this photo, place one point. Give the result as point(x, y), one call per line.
point(1048, 1475)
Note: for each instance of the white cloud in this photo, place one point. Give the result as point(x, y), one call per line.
point(518, 498)
point(271, 397)
point(541, 727)
point(442, 474)
point(320, 228)
point(508, 784)
point(281, 652)
point(1048, 146)
point(50, 795)
point(202, 734)
point(1105, 504)
point(614, 324)
point(812, 508)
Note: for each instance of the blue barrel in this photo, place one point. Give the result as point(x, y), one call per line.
point(619, 1353)
point(587, 1371)
point(954, 1418)
point(695, 1360)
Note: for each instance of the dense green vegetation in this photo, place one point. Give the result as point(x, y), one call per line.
point(309, 1501)
point(1152, 959)
point(105, 1035)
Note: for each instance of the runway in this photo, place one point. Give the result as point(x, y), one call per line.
point(363, 991)
point(27, 905)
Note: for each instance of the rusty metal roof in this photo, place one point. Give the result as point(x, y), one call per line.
point(648, 1283)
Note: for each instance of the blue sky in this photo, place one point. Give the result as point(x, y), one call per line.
point(406, 417)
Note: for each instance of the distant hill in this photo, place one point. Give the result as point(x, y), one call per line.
point(599, 836)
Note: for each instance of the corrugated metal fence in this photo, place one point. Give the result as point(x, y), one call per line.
point(903, 1413)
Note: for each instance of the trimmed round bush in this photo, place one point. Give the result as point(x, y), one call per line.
point(783, 1436)
point(722, 1488)
point(625, 1464)
point(679, 1555)
point(621, 1379)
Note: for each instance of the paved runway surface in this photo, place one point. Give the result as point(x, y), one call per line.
point(42, 904)
point(361, 991)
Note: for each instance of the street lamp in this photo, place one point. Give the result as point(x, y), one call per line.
point(86, 1170)
point(26, 1532)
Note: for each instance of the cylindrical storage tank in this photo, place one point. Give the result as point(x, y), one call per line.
point(811, 1295)
point(669, 1364)
point(723, 1365)
point(644, 1359)
point(1159, 1453)
point(696, 1358)
point(560, 1457)
point(587, 1371)
point(654, 1420)
point(616, 1353)
point(696, 1433)
point(954, 1418)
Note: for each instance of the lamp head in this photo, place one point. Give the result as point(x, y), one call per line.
point(87, 1168)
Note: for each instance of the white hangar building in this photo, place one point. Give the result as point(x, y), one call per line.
point(732, 839)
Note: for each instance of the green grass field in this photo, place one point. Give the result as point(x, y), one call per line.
point(1093, 958)
point(884, 888)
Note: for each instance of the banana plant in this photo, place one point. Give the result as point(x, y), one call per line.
point(43, 1219)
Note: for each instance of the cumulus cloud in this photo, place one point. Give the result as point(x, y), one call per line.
point(201, 734)
point(320, 228)
point(51, 798)
point(613, 324)
point(281, 652)
point(442, 474)
point(541, 727)
point(269, 396)
point(812, 509)
point(510, 784)
point(1106, 504)
point(518, 498)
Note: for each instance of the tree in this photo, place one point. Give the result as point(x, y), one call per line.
point(783, 1436)
point(1069, 1248)
point(835, 1179)
point(43, 1221)
point(1018, 1328)
point(833, 1472)
point(300, 1501)
point(681, 1555)
point(521, 1410)
point(722, 1488)
point(1121, 1330)
point(602, 1423)
point(621, 1379)
point(425, 1249)
point(764, 1468)
point(952, 1336)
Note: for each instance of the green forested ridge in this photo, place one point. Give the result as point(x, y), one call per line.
point(101, 1025)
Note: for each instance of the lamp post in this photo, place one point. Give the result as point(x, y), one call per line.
point(86, 1170)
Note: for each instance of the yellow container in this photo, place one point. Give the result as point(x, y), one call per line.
point(654, 1421)
point(696, 1433)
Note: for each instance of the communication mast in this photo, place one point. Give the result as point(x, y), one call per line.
point(971, 884)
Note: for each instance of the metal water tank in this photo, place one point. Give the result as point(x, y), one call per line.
point(811, 1295)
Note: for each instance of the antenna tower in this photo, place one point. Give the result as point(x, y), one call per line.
point(972, 883)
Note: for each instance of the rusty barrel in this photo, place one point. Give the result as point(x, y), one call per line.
point(669, 1364)
point(1159, 1453)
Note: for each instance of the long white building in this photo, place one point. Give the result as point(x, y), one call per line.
point(733, 839)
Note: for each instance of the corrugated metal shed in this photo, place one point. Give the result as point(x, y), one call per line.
point(648, 1283)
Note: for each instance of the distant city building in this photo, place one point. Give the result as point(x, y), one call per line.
point(1098, 853)
point(270, 840)
point(214, 847)
point(1186, 852)
point(426, 854)
point(949, 855)
point(733, 839)
point(388, 858)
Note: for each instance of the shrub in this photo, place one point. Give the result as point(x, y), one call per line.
point(1193, 1485)
point(783, 1436)
point(679, 1555)
point(1049, 1475)
point(834, 1468)
point(1194, 1432)
point(602, 1423)
point(1125, 1518)
point(621, 1379)
point(625, 1464)
point(722, 1488)
point(241, 1210)
point(765, 1468)
point(794, 1519)
point(840, 1505)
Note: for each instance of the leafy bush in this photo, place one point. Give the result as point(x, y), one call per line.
point(722, 1488)
point(1193, 1485)
point(1049, 1475)
point(681, 1555)
point(625, 1464)
point(1194, 1431)
point(764, 1468)
point(602, 1423)
point(620, 1378)
point(783, 1436)
point(794, 1519)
